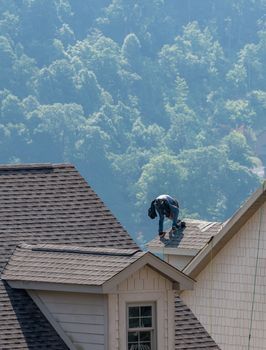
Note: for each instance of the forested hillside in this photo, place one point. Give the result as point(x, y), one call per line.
point(144, 97)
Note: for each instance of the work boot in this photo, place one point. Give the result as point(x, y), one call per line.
point(183, 224)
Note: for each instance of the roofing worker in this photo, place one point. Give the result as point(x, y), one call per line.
point(167, 206)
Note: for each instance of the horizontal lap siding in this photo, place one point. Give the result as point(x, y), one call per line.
point(222, 297)
point(81, 316)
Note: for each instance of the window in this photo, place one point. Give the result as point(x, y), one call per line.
point(141, 327)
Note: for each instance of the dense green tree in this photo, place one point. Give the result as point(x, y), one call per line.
point(55, 83)
point(238, 149)
point(39, 21)
point(58, 128)
point(7, 59)
point(145, 97)
point(131, 51)
point(11, 110)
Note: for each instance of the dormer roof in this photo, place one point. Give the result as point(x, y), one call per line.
point(78, 269)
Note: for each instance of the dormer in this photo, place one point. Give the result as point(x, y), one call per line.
point(100, 298)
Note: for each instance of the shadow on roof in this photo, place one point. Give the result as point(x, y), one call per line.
point(36, 330)
point(174, 238)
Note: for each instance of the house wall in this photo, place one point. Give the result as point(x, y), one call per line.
point(178, 261)
point(145, 285)
point(81, 316)
point(222, 297)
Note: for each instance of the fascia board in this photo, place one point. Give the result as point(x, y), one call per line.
point(227, 232)
point(56, 287)
point(157, 264)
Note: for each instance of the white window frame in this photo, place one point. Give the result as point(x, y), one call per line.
point(152, 329)
point(142, 297)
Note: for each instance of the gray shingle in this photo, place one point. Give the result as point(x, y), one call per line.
point(189, 332)
point(67, 264)
point(196, 234)
point(44, 203)
point(53, 204)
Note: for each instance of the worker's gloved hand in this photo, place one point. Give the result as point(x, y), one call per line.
point(162, 234)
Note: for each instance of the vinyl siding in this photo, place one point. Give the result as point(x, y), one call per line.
point(222, 297)
point(145, 285)
point(178, 261)
point(81, 316)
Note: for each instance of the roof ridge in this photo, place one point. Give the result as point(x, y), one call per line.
point(54, 248)
point(34, 166)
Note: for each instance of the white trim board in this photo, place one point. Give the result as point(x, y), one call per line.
point(34, 296)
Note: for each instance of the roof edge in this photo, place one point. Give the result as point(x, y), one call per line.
point(232, 226)
point(169, 271)
point(156, 249)
point(34, 166)
point(185, 282)
point(52, 286)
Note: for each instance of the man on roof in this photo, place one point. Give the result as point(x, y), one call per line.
point(167, 206)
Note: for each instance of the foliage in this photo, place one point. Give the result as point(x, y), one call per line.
point(144, 97)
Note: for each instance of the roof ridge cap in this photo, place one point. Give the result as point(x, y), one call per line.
point(34, 166)
point(80, 250)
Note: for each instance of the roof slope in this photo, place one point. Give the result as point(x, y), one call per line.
point(22, 324)
point(80, 269)
point(44, 203)
point(53, 204)
point(196, 234)
point(189, 332)
point(67, 264)
point(230, 228)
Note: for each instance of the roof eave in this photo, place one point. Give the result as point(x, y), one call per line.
point(227, 232)
point(179, 279)
point(56, 287)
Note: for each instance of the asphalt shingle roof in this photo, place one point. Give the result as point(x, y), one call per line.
point(45, 203)
point(195, 235)
point(189, 333)
point(52, 204)
point(22, 324)
point(67, 264)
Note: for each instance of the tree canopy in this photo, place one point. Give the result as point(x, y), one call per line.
point(145, 97)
